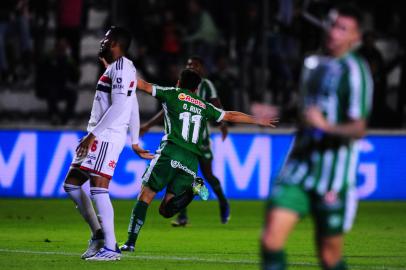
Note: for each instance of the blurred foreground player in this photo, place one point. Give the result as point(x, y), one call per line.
point(318, 177)
point(207, 92)
point(174, 166)
point(114, 111)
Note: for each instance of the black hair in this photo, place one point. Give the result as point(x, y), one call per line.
point(122, 36)
point(189, 79)
point(350, 10)
point(197, 59)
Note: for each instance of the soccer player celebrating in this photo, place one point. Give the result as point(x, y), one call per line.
point(115, 109)
point(175, 163)
point(207, 92)
point(319, 174)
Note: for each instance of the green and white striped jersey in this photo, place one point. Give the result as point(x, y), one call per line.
point(342, 89)
point(186, 116)
point(207, 91)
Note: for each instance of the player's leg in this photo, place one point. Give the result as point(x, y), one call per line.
point(329, 250)
point(329, 247)
point(279, 223)
point(101, 163)
point(155, 178)
point(181, 220)
point(138, 216)
point(186, 187)
point(206, 167)
point(182, 189)
point(73, 187)
point(334, 215)
point(184, 184)
point(286, 205)
point(173, 204)
point(99, 190)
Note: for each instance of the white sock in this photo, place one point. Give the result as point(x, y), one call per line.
point(84, 205)
point(101, 198)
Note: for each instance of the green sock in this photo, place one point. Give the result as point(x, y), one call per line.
point(273, 260)
point(341, 265)
point(137, 220)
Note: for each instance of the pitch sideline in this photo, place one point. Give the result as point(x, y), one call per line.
point(192, 259)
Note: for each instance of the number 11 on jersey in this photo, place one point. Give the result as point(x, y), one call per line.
point(189, 119)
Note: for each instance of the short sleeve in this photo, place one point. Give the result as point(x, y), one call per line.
point(162, 93)
point(123, 78)
point(214, 113)
point(360, 86)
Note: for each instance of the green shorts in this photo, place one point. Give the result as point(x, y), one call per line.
point(173, 167)
point(333, 212)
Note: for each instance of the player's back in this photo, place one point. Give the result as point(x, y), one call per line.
point(186, 116)
point(118, 79)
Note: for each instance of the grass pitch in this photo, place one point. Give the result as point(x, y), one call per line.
point(49, 234)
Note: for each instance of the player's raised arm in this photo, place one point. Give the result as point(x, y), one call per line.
point(223, 126)
point(144, 86)
point(242, 118)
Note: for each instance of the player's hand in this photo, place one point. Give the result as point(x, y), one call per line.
point(84, 145)
point(315, 118)
point(224, 131)
point(267, 122)
point(142, 153)
point(104, 62)
point(143, 129)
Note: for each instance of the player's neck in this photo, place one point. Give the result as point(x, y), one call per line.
point(117, 56)
point(339, 52)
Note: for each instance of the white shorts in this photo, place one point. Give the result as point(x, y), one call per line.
point(101, 159)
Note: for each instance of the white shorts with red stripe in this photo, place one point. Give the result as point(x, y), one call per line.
point(101, 159)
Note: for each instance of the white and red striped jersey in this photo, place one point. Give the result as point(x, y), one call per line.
point(115, 103)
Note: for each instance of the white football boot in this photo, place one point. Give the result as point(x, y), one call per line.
point(106, 254)
point(94, 246)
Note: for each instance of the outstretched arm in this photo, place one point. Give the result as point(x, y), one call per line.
point(242, 118)
point(223, 126)
point(144, 86)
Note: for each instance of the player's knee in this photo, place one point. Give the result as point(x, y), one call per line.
point(165, 211)
point(76, 177)
point(270, 241)
point(69, 187)
point(329, 257)
point(329, 262)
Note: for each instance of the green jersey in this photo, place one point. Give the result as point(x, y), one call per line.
point(186, 116)
point(206, 91)
point(342, 89)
